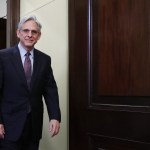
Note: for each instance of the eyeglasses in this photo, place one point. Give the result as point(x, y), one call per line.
point(26, 31)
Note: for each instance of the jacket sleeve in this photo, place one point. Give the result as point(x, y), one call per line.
point(51, 94)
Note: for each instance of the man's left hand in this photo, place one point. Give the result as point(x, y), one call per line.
point(54, 127)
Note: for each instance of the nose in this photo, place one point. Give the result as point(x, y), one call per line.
point(30, 33)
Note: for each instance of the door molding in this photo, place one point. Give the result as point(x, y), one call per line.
point(13, 16)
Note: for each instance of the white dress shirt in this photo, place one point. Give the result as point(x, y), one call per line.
point(22, 54)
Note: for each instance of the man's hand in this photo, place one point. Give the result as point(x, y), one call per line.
point(2, 131)
point(54, 127)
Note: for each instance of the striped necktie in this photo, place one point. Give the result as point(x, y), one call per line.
point(27, 68)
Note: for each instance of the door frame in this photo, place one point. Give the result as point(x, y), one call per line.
point(13, 16)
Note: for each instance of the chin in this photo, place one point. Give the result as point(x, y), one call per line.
point(30, 44)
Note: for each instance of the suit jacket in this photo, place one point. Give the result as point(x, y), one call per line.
point(15, 96)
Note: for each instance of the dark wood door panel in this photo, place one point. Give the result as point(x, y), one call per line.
point(109, 70)
point(108, 143)
point(130, 126)
point(120, 47)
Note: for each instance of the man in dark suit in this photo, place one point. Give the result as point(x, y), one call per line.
point(25, 77)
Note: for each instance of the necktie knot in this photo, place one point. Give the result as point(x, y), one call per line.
point(27, 54)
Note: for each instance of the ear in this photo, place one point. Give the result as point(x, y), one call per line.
point(39, 35)
point(18, 33)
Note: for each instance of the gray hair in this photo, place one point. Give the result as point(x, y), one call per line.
point(25, 19)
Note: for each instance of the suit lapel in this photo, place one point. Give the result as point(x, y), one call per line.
point(17, 62)
point(36, 65)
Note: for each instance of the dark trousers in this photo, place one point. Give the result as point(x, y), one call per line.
point(26, 142)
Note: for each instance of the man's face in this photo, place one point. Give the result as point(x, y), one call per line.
point(29, 34)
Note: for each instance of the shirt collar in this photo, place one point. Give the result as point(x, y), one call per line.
point(23, 51)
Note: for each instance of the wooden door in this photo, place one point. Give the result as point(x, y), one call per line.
point(109, 74)
point(8, 27)
point(3, 33)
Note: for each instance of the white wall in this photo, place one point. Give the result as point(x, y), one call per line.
point(3, 8)
point(54, 41)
